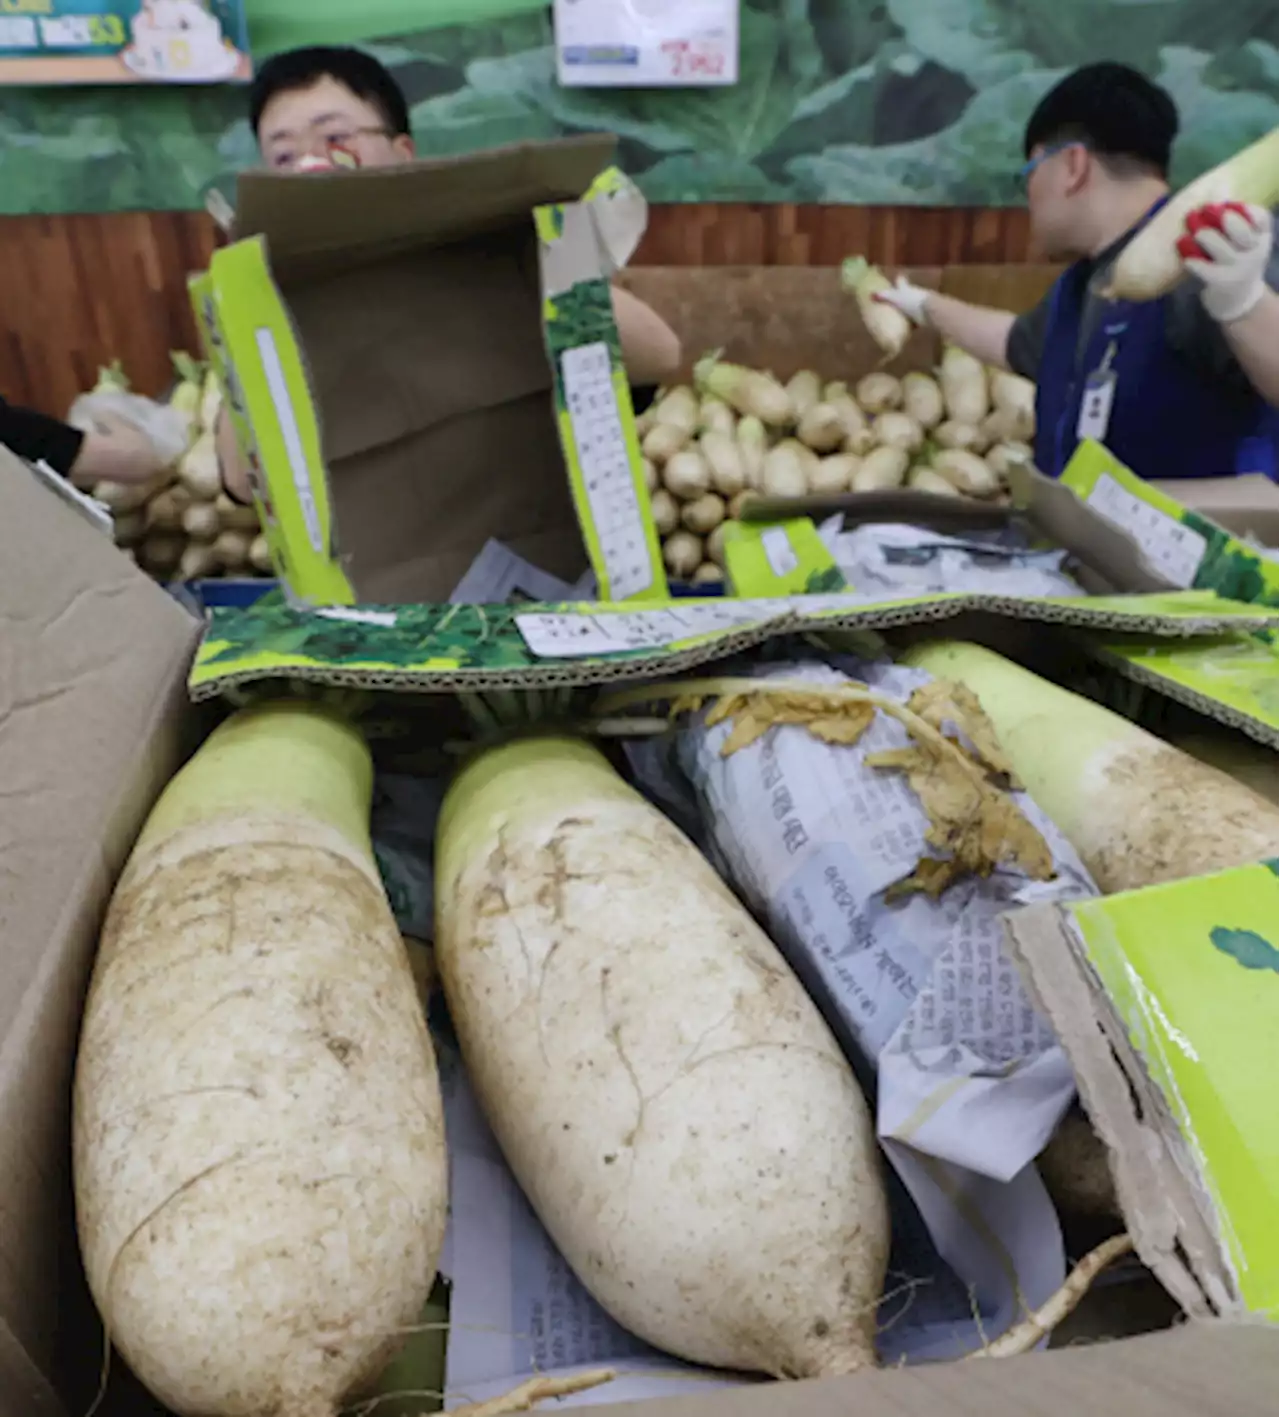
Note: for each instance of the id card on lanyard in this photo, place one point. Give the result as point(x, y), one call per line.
point(1098, 399)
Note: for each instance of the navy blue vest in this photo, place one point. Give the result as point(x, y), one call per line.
point(1166, 420)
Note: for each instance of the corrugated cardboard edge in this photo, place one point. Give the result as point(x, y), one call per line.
point(1256, 728)
point(1195, 1370)
point(564, 673)
point(1166, 1208)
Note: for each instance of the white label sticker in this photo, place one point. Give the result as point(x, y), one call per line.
point(575, 636)
point(385, 618)
point(606, 469)
point(779, 552)
point(287, 417)
point(646, 43)
point(1095, 407)
point(1172, 548)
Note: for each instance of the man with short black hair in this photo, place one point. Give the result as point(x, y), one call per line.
point(325, 106)
point(1184, 386)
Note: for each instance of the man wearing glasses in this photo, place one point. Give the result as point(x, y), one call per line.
point(322, 107)
point(1182, 386)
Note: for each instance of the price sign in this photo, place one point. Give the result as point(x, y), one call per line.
point(646, 43)
point(123, 41)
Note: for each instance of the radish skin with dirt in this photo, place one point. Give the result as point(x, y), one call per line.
point(1138, 810)
point(663, 1088)
point(259, 1151)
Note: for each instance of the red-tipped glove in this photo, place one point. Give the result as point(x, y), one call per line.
point(1226, 247)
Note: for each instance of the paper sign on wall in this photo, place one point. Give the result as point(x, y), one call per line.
point(646, 43)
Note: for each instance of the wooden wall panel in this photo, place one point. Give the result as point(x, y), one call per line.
point(77, 291)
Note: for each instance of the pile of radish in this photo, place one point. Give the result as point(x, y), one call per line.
point(736, 432)
point(182, 526)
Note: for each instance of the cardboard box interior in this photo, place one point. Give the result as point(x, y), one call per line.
point(415, 295)
point(94, 719)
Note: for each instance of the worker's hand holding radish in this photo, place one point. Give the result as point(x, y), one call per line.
point(1226, 246)
point(905, 297)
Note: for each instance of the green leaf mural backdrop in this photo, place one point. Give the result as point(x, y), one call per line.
point(896, 102)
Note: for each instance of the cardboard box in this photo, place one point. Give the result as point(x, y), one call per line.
point(93, 719)
point(1247, 506)
point(422, 357)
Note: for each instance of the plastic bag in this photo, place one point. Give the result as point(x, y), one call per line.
point(167, 429)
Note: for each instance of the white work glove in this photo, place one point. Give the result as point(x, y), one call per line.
point(905, 297)
point(1226, 247)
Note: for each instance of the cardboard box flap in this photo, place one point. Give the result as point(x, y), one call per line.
point(93, 657)
point(320, 221)
point(1163, 1211)
point(1198, 1370)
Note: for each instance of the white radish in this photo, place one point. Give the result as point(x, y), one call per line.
point(876, 393)
point(201, 521)
point(649, 472)
point(1015, 397)
point(886, 324)
point(687, 475)
point(998, 427)
point(785, 472)
point(666, 512)
point(858, 437)
point(708, 574)
point(822, 428)
point(963, 380)
point(678, 409)
point(714, 548)
point(922, 399)
point(160, 552)
point(129, 496)
point(260, 555)
point(724, 459)
point(630, 1031)
point(924, 479)
point(748, 390)
point(232, 549)
point(738, 504)
point(1004, 457)
point(881, 471)
point(834, 474)
point(715, 416)
point(198, 561)
point(966, 472)
point(898, 430)
point(753, 443)
point(958, 435)
point(836, 389)
point(1150, 265)
point(682, 553)
point(804, 390)
point(198, 467)
point(663, 441)
point(1138, 810)
point(704, 515)
point(235, 516)
point(258, 1136)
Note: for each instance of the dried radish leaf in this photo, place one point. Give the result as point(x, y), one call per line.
point(942, 701)
point(824, 715)
point(978, 826)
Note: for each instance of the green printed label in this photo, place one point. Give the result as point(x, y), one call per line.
point(765, 559)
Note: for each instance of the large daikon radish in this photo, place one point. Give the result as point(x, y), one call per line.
point(1138, 810)
point(1150, 264)
point(258, 1135)
point(665, 1091)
